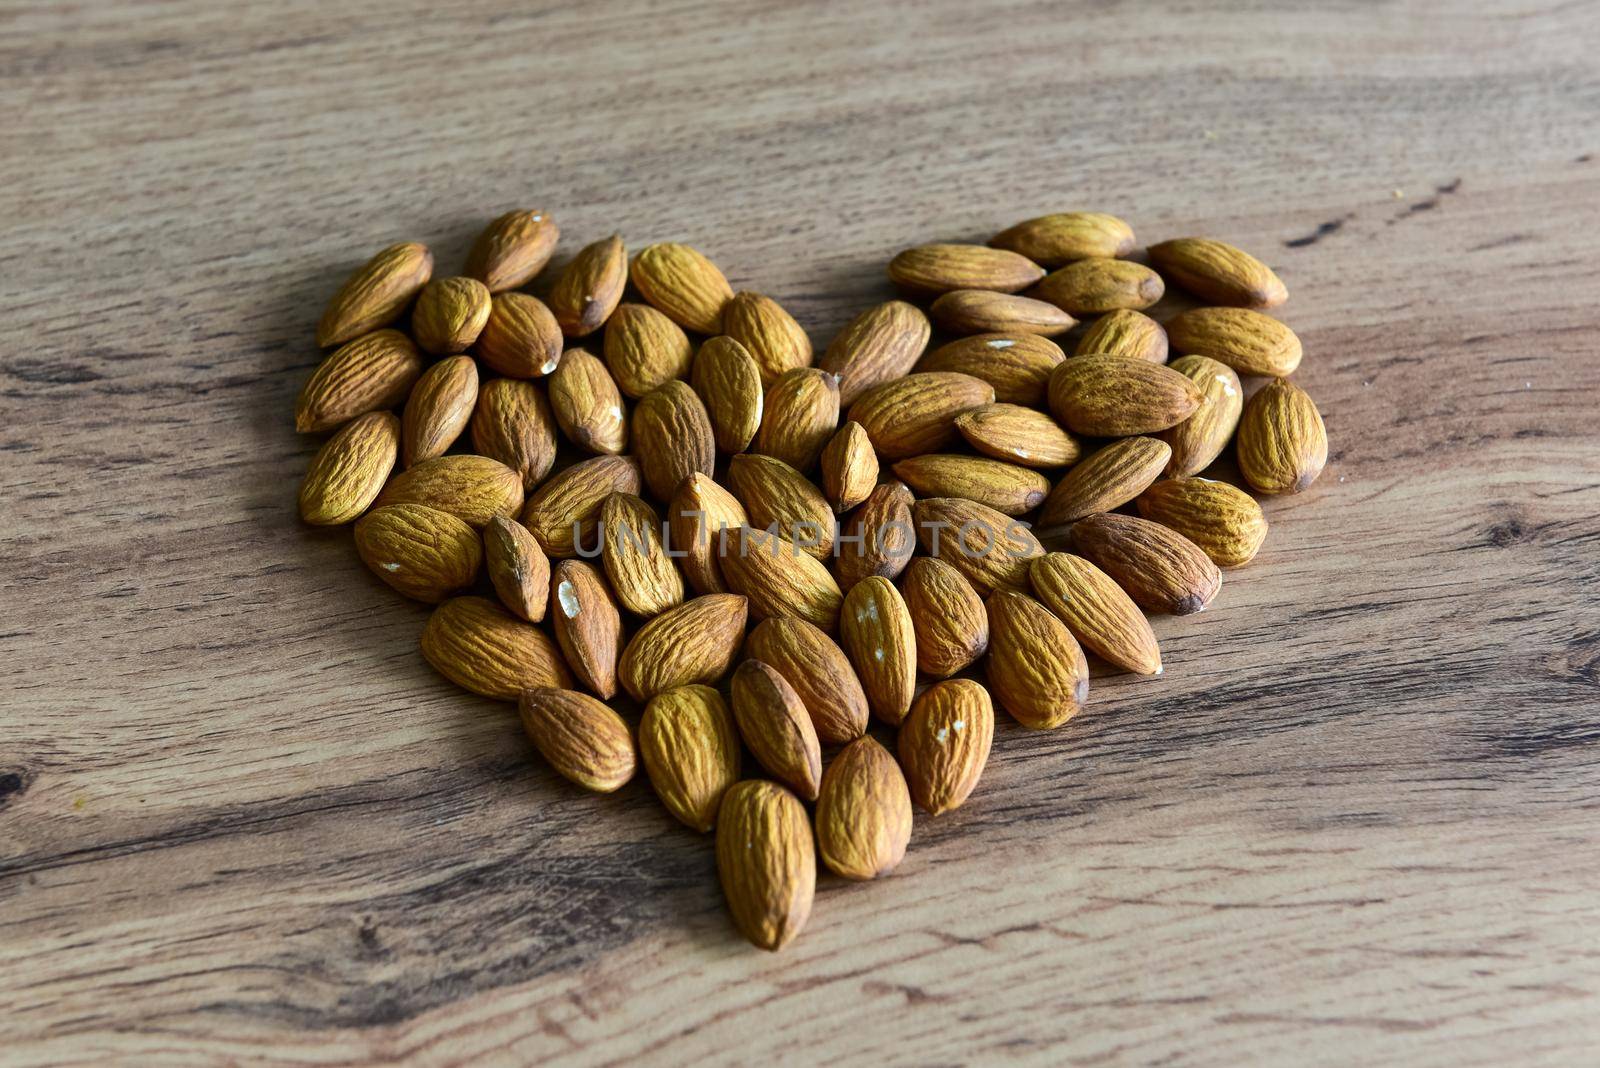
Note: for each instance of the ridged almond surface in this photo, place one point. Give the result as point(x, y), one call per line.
point(1097, 611)
point(760, 324)
point(480, 647)
point(779, 579)
point(438, 409)
point(421, 552)
point(347, 474)
point(1125, 332)
point(777, 728)
point(450, 314)
point(568, 505)
point(672, 437)
point(1107, 478)
point(684, 284)
point(1052, 240)
point(518, 569)
point(1202, 437)
point(583, 739)
point(513, 249)
point(1225, 521)
point(766, 861)
point(818, 670)
point(475, 488)
point(948, 616)
point(1035, 668)
point(587, 624)
point(983, 311)
point(1162, 570)
point(799, 412)
point(1018, 435)
point(691, 752)
point(1007, 488)
point(878, 345)
point(1248, 341)
point(700, 510)
point(863, 812)
point(372, 373)
point(512, 423)
point(1018, 366)
point(849, 467)
point(376, 294)
point(940, 268)
point(917, 413)
point(944, 743)
point(728, 381)
point(875, 630)
point(778, 498)
point(990, 549)
point(644, 349)
point(1095, 287)
point(521, 338)
point(1115, 396)
point(1219, 272)
point(879, 538)
point(692, 643)
point(1282, 444)
point(587, 404)
point(643, 577)
point(590, 287)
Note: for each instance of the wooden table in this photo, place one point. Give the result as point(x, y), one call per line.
point(242, 821)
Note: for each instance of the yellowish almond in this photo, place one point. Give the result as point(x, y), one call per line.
point(1107, 478)
point(879, 345)
point(863, 812)
point(940, 268)
point(480, 647)
point(590, 287)
point(776, 727)
point(1094, 287)
point(1125, 332)
point(1018, 435)
point(438, 409)
point(513, 249)
point(587, 624)
point(567, 507)
point(450, 314)
point(376, 294)
point(1097, 611)
point(512, 423)
point(983, 311)
point(644, 349)
point(372, 373)
point(518, 569)
point(1008, 488)
point(474, 488)
point(1200, 438)
point(777, 342)
point(1219, 272)
point(347, 473)
point(684, 284)
point(521, 338)
point(1053, 240)
point(690, 749)
point(1018, 366)
point(944, 744)
point(947, 616)
point(420, 552)
point(587, 404)
point(581, 738)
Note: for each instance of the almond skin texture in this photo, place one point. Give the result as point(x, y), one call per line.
point(691, 752)
point(933, 269)
point(1200, 439)
point(521, 338)
point(820, 673)
point(347, 473)
point(1094, 287)
point(766, 861)
point(421, 552)
point(568, 505)
point(879, 345)
point(587, 624)
point(1162, 570)
point(1035, 668)
point(587, 404)
point(518, 568)
point(474, 488)
point(374, 372)
point(776, 727)
point(1225, 521)
point(875, 630)
point(480, 647)
point(590, 287)
point(863, 812)
point(917, 413)
point(777, 497)
point(376, 294)
point(644, 578)
point(947, 615)
point(1282, 443)
point(684, 284)
point(692, 643)
point(799, 413)
point(1125, 332)
point(944, 744)
point(1018, 435)
point(512, 423)
point(879, 537)
point(644, 349)
point(989, 549)
point(771, 335)
point(728, 381)
point(849, 467)
point(983, 311)
point(1107, 478)
point(1018, 366)
point(672, 437)
point(1219, 272)
point(1004, 487)
point(779, 579)
point(583, 739)
point(1115, 396)
point(438, 410)
point(1053, 240)
point(1247, 341)
point(513, 249)
point(1097, 612)
point(450, 314)
point(700, 509)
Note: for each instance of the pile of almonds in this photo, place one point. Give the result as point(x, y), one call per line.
point(878, 557)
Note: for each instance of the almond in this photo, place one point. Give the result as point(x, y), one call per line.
point(1162, 570)
point(421, 552)
point(644, 349)
point(1094, 287)
point(1218, 272)
point(437, 412)
point(1004, 487)
point(1200, 439)
point(1225, 521)
point(818, 670)
point(988, 548)
point(767, 862)
point(684, 284)
point(863, 812)
point(450, 314)
point(1282, 443)
point(691, 752)
point(944, 743)
point(587, 404)
point(779, 579)
point(917, 413)
point(347, 473)
point(587, 624)
point(983, 311)
point(1035, 668)
point(513, 249)
point(478, 646)
point(771, 335)
point(799, 413)
point(940, 268)
point(376, 294)
point(567, 506)
point(1107, 478)
point(875, 630)
point(879, 345)
point(728, 381)
point(473, 488)
point(1124, 332)
point(512, 424)
point(1019, 435)
point(947, 616)
point(694, 642)
point(583, 739)
point(849, 467)
point(645, 579)
point(1097, 612)
point(590, 287)
point(880, 537)
point(1053, 240)
point(1115, 396)
point(521, 338)
point(374, 372)
point(700, 511)
point(518, 569)
point(672, 437)
point(780, 499)
point(1247, 341)
point(776, 728)
point(1018, 366)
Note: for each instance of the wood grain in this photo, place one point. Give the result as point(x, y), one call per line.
point(242, 822)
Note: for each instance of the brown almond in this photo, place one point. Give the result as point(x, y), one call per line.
point(691, 752)
point(1200, 439)
point(779, 579)
point(1225, 521)
point(1018, 366)
point(644, 349)
point(1247, 341)
point(376, 294)
point(1107, 478)
point(590, 287)
point(438, 409)
point(989, 549)
point(766, 861)
point(347, 473)
point(1219, 272)
point(1053, 240)
point(587, 624)
point(513, 249)
point(947, 615)
point(518, 569)
point(863, 812)
point(672, 437)
point(780, 499)
point(1019, 435)
point(1115, 396)
point(684, 284)
point(1007, 488)
point(776, 727)
point(931, 269)
point(879, 345)
point(450, 314)
point(1162, 570)
point(587, 404)
point(772, 336)
point(512, 423)
point(1282, 444)
point(879, 538)
point(694, 642)
point(700, 511)
point(480, 647)
point(1094, 287)
point(1097, 611)
point(728, 381)
point(1124, 332)
point(420, 552)
point(875, 631)
point(1035, 668)
point(917, 413)
point(849, 467)
point(374, 372)
point(944, 743)
point(521, 338)
point(474, 488)
point(644, 577)
point(568, 505)
point(798, 414)
point(818, 670)
point(983, 311)
point(583, 739)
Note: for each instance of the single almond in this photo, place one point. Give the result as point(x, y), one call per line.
point(672, 437)
point(1115, 396)
point(644, 349)
point(376, 294)
point(990, 549)
point(587, 624)
point(1094, 287)
point(582, 738)
point(567, 507)
point(875, 630)
point(347, 474)
point(684, 284)
point(728, 381)
point(947, 615)
point(931, 269)
point(644, 577)
point(1052, 240)
point(450, 314)
point(374, 372)
point(818, 670)
point(700, 512)
point(1107, 478)
point(480, 647)
point(1035, 668)
point(1007, 488)
point(1125, 332)
point(772, 336)
point(983, 311)
point(879, 345)
point(766, 861)
point(438, 409)
point(691, 752)
point(512, 423)
point(799, 412)
point(518, 569)
point(849, 467)
point(1200, 439)
point(1219, 272)
point(421, 552)
point(863, 812)
point(1019, 435)
point(780, 499)
point(474, 488)
point(780, 579)
point(590, 287)
point(587, 404)
point(917, 413)
point(521, 338)
point(1097, 611)
point(1018, 366)
point(513, 249)
point(1247, 341)
point(944, 743)
point(1162, 570)
point(1282, 443)
point(692, 643)
point(1225, 521)
point(879, 538)
point(776, 727)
